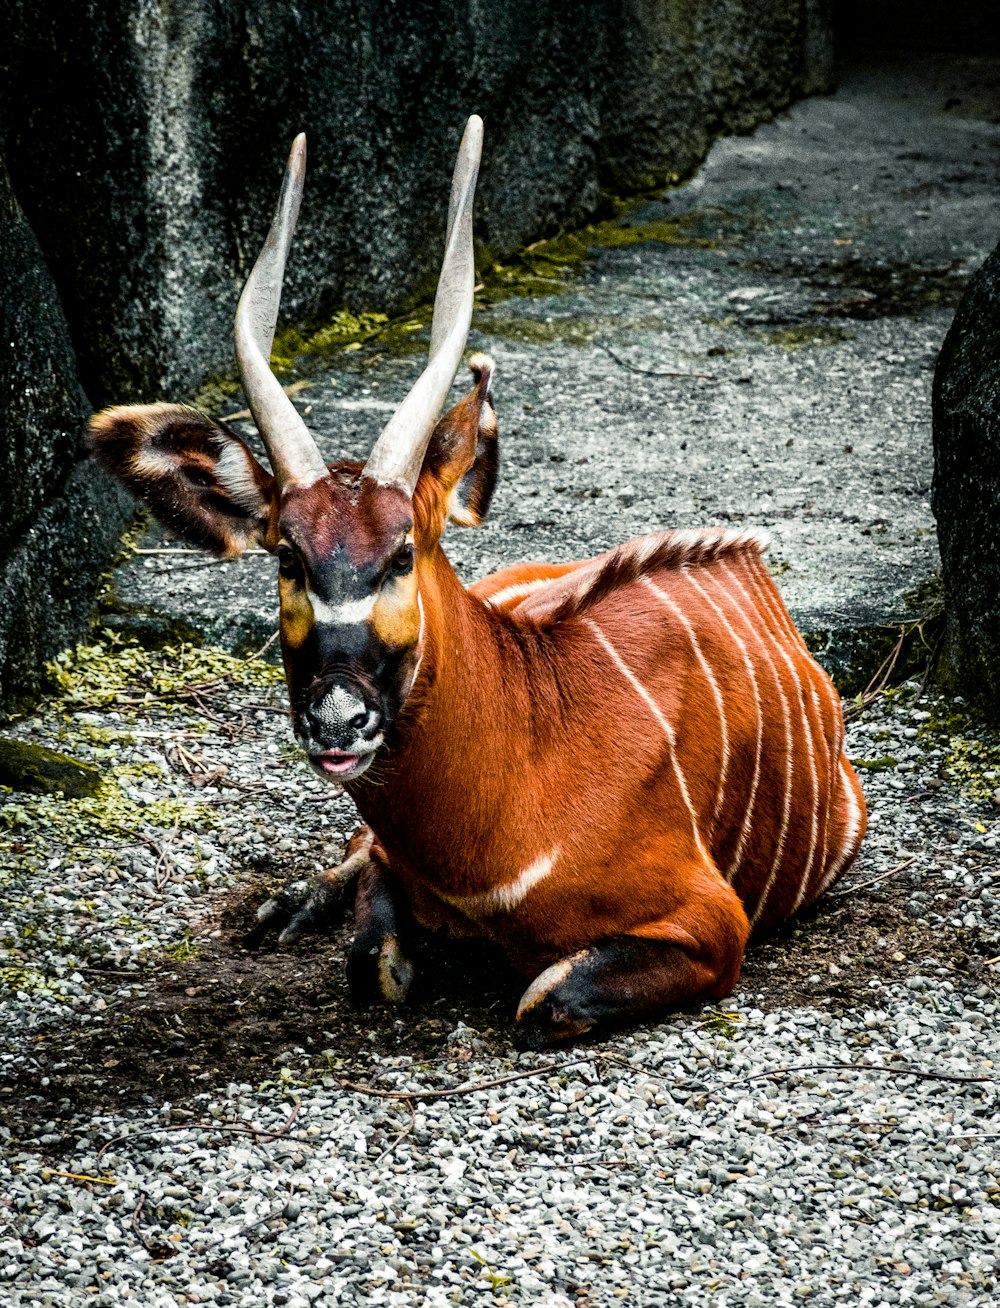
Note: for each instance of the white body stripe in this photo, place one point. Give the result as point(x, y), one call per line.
point(764, 589)
point(668, 730)
point(516, 591)
point(810, 752)
point(744, 611)
point(730, 872)
point(502, 899)
point(716, 691)
point(851, 831)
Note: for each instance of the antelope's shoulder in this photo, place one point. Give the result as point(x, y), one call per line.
point(546, 594)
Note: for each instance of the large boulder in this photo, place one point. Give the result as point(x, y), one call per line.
point(61, 518)
point(966, 495)
point(146, 141)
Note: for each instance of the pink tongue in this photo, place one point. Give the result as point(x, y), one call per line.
point(339, 763)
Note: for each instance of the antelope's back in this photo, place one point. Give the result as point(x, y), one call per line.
point(694, 626)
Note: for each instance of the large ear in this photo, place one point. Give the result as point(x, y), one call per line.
point(198, 477)
point(463, 457)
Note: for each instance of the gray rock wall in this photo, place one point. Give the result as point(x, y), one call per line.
point(145, 142)
point(61, 518)
point(966, 494)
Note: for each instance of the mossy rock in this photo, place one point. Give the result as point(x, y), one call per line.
point(45, 772)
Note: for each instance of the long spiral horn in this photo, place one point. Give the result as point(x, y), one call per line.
point(291, 449)
point(399, 452)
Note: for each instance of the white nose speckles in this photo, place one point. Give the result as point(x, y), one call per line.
point(339, 708)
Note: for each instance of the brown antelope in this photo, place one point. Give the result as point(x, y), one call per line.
point(617, 768)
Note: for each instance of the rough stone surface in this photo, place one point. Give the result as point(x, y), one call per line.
point(60, 519)
point(145, 141)
point(165, 128)
point(802, 281)
point(26, 766)
point(967, 484)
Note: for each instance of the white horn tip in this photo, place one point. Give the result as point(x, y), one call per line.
point(480, 363)
point(297, 154)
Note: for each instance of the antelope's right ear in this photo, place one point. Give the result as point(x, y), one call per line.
point(198, 477)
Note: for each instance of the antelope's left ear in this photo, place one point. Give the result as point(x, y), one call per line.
point(463, 453)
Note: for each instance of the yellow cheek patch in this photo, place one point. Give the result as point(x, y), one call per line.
point(396, 615)
point(296, 612)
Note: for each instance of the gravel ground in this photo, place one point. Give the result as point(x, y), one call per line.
point(191, 1116)
point(765, 1150)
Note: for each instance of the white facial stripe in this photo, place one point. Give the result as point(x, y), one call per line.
point(340, 615)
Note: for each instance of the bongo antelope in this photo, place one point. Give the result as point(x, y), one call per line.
point(616, 768)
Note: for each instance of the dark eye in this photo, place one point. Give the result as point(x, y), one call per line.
point(403, 562)
point(288, 561)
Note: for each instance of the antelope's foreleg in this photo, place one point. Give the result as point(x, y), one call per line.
point(314, 905)
point(653, 969)
point(377, 968)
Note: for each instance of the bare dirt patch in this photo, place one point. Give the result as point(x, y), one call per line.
point(243, 1010)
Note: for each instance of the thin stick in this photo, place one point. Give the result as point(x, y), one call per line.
point(652, 372)
point(872, 691)
point(402, 1135)
point(283, 1130)
point(78, 1176)
point(135, 1225)
point(260, 1135)
point(179, 550)
point(882, 876)
point(865, 1067)
point(265, 647)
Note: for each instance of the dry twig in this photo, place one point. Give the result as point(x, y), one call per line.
point(402, 1135)
point(882, 876)
point(865, 1067)
point(232, 1128)
point(652, 372)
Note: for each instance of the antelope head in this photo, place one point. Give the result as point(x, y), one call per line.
point(354, 542)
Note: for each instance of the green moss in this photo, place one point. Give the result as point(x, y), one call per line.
point(802, 335)
point(16, 979)
point(184, 950)
point(118, 673)
point(26, 766)
point(37, 823)
point(215, 396)
point(972, 748)
point(344, 331)
point(885, 764)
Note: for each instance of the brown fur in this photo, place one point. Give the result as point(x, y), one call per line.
point(616, 768)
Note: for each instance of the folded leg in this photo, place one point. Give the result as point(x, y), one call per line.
point(690, 957)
